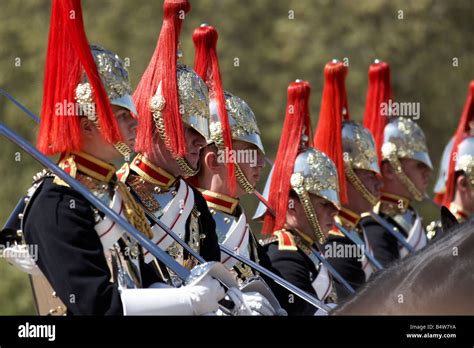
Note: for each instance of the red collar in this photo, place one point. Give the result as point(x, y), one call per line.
point(151, 173)
point(220, 201)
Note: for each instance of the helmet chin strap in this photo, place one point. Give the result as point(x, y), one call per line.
point(186, 168)
point(359, 185)
point(242, 179)
point(297, 183)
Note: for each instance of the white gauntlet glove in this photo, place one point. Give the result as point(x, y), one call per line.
point(18, 255)
point(195, 299)
point(250, 303)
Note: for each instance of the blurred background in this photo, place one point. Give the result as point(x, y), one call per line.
point(263, 45)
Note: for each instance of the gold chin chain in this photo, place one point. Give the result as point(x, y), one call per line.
point(157, 105)
point(357, 183)
point(124, 150)
point(186, 169)
point(133, 211)
point(239, 174)
point(311, 215)
point(242, 180)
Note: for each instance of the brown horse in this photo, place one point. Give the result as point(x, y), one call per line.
point(438, 280)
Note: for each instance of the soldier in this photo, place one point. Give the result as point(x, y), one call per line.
point(454, 185)
point(76, 243)
point(172, 101)
point(406, 168)
point(303, 192)
point(234, 151)
point(351, 145)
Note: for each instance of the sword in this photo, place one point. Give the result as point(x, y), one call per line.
point(392, 231)
point(282, 282)
point(17, 103)
point(356, 240)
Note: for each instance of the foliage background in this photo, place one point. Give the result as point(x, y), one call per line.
point(275, 41)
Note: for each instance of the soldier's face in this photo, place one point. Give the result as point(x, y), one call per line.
point(194, 143)
point(372, 182)
point(418, 172)
point(127, 124)
point(250, 159)
point(93, 142)
point(325, 212)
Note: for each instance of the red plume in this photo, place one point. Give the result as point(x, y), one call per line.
point(68, 56)
point(297, 124)
point(379, 91)
point(461, 132)
point(334, 109)
point(206, 65)
point(162, 68)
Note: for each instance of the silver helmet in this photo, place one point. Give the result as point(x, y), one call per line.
point(243, 127)
point(313, 173)
point(114, 76)
point(359, 153)
point(465, 158)
point(440, 186)
point(403, 138)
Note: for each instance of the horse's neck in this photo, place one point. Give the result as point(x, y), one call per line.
point(436, 280)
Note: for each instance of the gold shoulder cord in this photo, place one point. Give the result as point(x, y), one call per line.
point(134, 212)
point(360, 187)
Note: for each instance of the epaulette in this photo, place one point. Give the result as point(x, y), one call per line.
point(286, 240)
point(69, 166)
point(335, 232)
point(123, 172)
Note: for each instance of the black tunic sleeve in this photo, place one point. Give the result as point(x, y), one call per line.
point(350, 268)
point(296, 268)
point(61, 223)
point(210, 250)
point(383, 244)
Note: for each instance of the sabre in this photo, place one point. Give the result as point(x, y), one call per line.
point(356, 240)
point(392, 231)
point(282, 282)
point(17, 103)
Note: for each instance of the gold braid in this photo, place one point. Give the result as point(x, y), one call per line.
point(133, 211)
point(157, 104)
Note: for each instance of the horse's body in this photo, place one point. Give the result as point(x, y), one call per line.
point(437, 280)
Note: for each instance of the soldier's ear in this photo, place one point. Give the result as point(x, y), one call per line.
point(211, 161)
point(462, 184)
point(88, 128)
